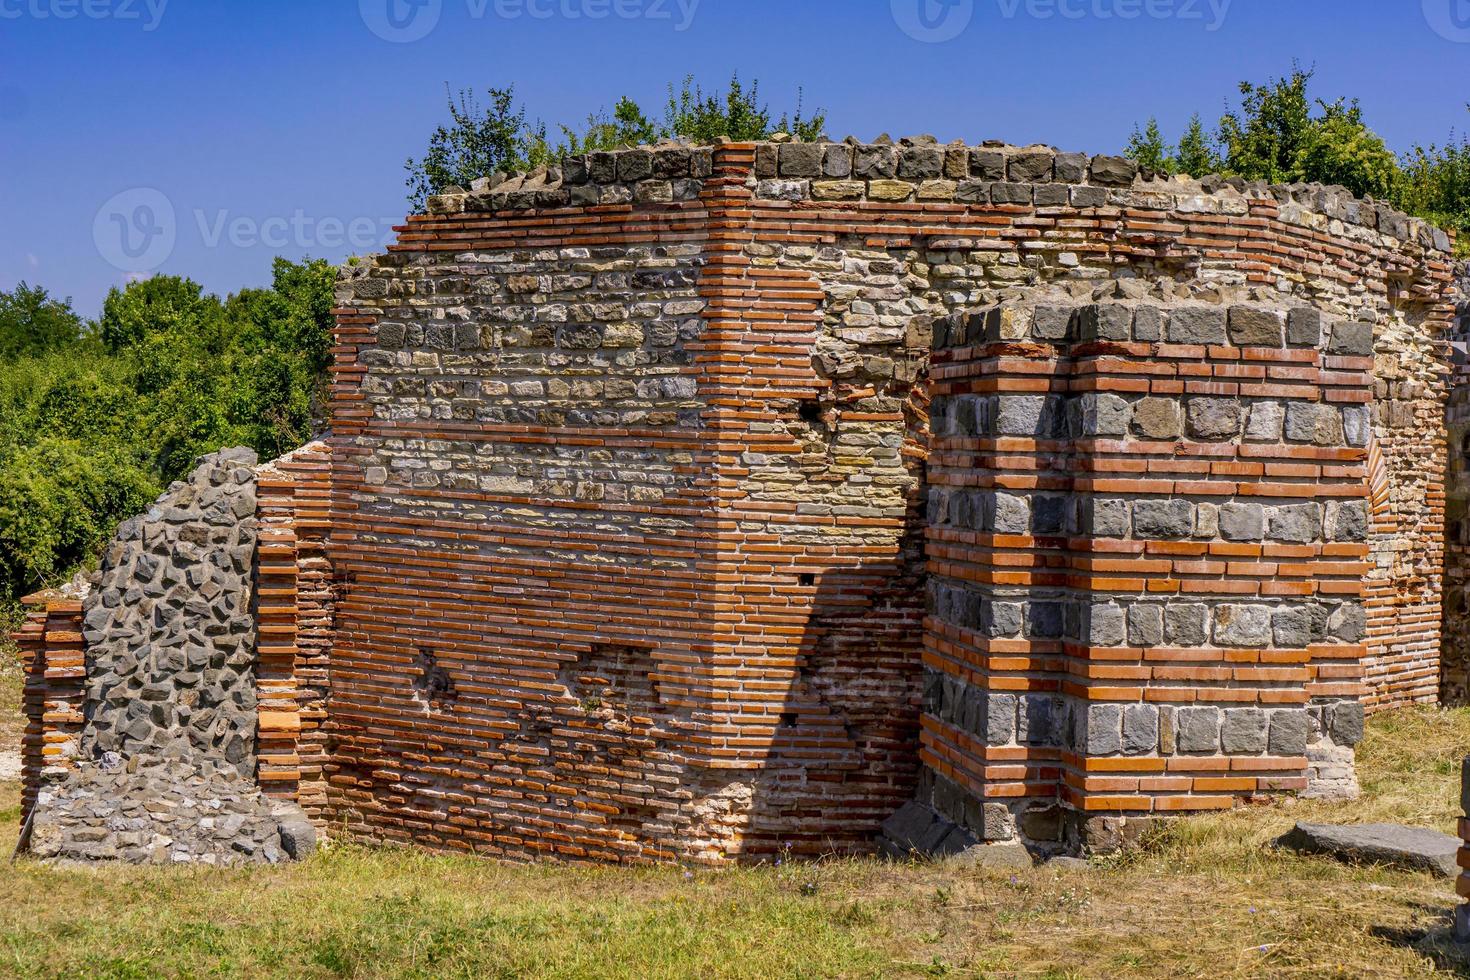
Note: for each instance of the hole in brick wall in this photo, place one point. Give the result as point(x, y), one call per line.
point(614, 676)
point(788, 719)
point(810, 412)
point(433, 683)
point(806, 578)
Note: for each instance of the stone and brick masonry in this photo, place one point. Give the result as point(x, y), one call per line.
point(693, 502)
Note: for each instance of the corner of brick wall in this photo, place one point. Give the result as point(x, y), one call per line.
point(295, 602)
point(54, 660)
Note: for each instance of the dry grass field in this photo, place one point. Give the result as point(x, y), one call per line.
point(1206, 897)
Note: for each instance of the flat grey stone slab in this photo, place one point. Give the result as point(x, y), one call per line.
point(1415, 848)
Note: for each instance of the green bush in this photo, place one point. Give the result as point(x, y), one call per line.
point(94, 424)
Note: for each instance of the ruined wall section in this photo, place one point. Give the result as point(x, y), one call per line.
point(522, 528)
point(169, 627)
point(777, 618)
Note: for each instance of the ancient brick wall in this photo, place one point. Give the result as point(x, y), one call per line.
point(706, 503)
point(629, 490)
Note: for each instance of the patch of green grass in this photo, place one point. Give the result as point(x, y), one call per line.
point(1204, 896)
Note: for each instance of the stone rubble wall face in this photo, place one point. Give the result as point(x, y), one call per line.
point(169, 629)
point(628, 504)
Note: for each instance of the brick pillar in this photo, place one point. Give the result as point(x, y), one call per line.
point(1147, 532)
point(52, 654)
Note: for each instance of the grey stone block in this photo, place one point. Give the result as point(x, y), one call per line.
point(1349, 623)
point(1140, 729)
point(1296, 523)
point(1021, 415)
point(1198, 729)
point(1242, 522)
point(1320, 425)
point(1213, 418)
point(1186, 624)
point(1351, 337)
point(1345, 722)
point(1240, 625)
point(1145, 624)
point(1102, 415)
point(1197, 325)
point(1243, 731)
point(1157, 418)
point(1264, 422)
point(1105, 517)
point(1289, 728)
point(1104, 729)
point(1304, 327)
point(1104, 625)
point(1291, 629)
point(1254, 327)
point(1163, 519)
point(1413, 848)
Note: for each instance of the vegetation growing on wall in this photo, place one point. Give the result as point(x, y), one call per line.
point(1280, 133)
point(483, 138)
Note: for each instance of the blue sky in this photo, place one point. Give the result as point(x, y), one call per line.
point(219, 134)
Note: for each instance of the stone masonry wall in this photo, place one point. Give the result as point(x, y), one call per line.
point(168, 625)
point(629, 488)
point(162, 767)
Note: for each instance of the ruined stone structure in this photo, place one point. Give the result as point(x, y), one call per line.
point(693, 502)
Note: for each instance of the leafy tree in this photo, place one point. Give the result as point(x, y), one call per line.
point(1264, 138)
point(90, 432)
point(32, 322)
point(1436, 185)
point(149, 306)
point(1339, 149)
point(477, 142)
